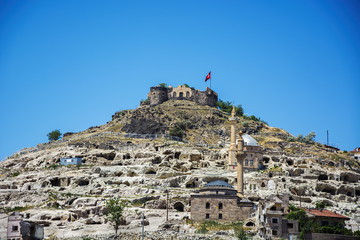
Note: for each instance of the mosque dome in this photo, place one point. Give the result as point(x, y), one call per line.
point(249, 140)
point(218, 183)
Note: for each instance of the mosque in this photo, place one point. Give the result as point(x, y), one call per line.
point(218, 200)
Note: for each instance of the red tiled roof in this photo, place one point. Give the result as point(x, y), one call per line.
point(325, 213)
point(356, 150)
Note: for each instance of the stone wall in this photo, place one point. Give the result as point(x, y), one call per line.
point(158, 95)
point(182, 93)
point(326, 236)
point(231, 210)
point(208, 97)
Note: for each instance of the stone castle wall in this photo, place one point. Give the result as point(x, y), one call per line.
point(158, 95)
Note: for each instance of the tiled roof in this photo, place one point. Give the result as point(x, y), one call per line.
point(356, 150)
point(325, 213)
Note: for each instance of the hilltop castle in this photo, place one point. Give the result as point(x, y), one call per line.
point(158, 95)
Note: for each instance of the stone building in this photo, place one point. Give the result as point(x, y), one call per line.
point(158, 95)
point(218, 201)
point(325, 217)
point(252, 149)
point(13, 226)
point(355, 154)
point(3, 225)
point(273, 224)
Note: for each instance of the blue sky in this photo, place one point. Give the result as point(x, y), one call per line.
point(70, 65)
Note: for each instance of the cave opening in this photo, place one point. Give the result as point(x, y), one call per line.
point(322, 177)
point(179, 206)
point(55, 182)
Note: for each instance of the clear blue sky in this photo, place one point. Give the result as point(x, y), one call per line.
point(70, 65)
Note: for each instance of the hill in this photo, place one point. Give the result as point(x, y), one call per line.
point(177, 145)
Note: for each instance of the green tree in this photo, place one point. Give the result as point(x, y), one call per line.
point(54, 135)
point(305, 223)
point(115, 208)
point(320, 205)
point(240, 233)
point(310, 138)
point(227, 107)
point(162, 85)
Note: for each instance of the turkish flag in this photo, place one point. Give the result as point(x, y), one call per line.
point(208, 76)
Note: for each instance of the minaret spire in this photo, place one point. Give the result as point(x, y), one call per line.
point(240, 156)
point(232, 149)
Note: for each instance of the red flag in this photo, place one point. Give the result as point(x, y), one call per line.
point(208, 76)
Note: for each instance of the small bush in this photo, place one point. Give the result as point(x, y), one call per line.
point(145, 102)
point(15, 174)
point(320, 205)
point(176, 132)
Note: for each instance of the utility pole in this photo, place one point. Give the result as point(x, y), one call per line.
point(142, 232)
point(327, 137)
point(167, 205)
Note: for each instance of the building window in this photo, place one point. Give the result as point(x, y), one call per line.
point(220, 206)
point(273, 208)
point(181, 94)
point(220, 216)
point(217, 192)
point(174, 94)
point(14, 228)
point(187, 94)
point(251, 162)
point(207, 205)
point(290, 225)
point(207, 216)
point(274, 232)
point(246, 162)
point(324, 223)
point(274, 220)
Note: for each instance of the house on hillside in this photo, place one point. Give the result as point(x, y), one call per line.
point(325, 217)
point(355, 154)
point(71, 161)
point(13, 226)
point(272, 222)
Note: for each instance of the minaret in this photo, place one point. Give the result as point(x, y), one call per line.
point(232, 149)
point(240, 156)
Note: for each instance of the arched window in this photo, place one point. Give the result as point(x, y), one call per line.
point(246, 162)
point(251, 162)
point(181, 94)
point(220, 206)
point(174, 94)
point(187, 94)
point(207, 205)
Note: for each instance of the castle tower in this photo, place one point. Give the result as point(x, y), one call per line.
point(240, 156)
point(158, 95)
point(232, 149)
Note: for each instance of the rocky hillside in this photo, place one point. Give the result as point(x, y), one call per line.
point(140, 167)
